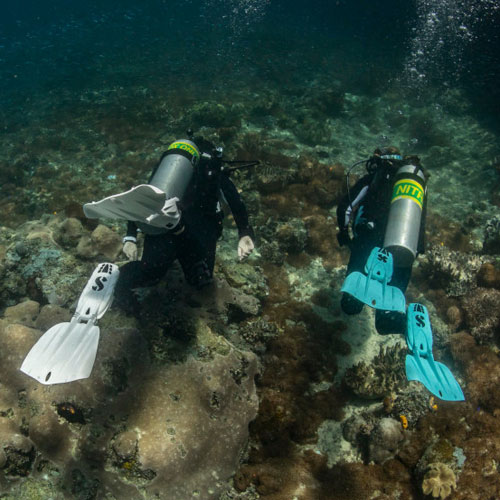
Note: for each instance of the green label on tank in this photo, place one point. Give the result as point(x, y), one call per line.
point(185, 147)
point(408, 189)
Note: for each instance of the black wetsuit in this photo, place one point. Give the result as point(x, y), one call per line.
point(369, 204)
point(195, 246)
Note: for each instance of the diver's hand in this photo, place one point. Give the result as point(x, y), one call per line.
point(130, 250)
point(343, 237)
point(245, 247)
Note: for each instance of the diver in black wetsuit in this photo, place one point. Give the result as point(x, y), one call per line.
point(193, 241)
point(366, 210)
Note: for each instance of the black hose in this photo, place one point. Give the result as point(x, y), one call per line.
point(347, 178)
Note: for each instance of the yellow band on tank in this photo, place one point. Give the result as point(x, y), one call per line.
point(408, 189)
point(185, 147)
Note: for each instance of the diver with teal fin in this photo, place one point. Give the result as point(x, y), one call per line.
point(387, 235)
point(385, 210)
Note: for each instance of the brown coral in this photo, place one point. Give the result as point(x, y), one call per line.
point(439, 480)
point(482, 314)
point(489, 276)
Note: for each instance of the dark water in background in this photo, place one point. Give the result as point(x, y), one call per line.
point(90, 73)
point(70, 45)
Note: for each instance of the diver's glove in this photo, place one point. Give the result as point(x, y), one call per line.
point(130, 250)
point(343, 237)
point(245, 247)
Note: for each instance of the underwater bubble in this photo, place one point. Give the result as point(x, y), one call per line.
point(443, 30)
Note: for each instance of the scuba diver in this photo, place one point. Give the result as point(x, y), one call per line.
point(194, 238)
point(191, 182)
point(179, 212)
point(386, 210)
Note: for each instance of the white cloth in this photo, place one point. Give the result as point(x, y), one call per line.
point(245, 247)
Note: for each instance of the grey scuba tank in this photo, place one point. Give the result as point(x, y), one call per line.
point(405, 214)
point(174, 174)
point(176, 168)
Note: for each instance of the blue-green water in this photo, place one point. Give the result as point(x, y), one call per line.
point(75, 76)
point(91, 94)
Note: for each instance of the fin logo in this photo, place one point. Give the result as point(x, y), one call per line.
point(420, 320)
point(408, 189)
point(105, 268)
point(99, 283)
point(418, 308)
point(383, 255)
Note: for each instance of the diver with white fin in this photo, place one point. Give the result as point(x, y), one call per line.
point(179, 211)
point(385, 211)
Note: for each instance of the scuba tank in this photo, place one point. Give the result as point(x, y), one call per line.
point(173, 175)
point(403, 224)
point(176, 168)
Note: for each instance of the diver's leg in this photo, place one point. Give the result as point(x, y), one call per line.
point(158, 254)
point(197, 252)
point(361, 248)
point(392, 321)
point(401, 277)
point(350, 305)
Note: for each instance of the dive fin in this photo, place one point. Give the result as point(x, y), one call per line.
point(67, 351)
point(64, 353)
point(372, 289)
point(136, 204)
point(420, 364)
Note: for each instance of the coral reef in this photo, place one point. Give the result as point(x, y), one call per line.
point(159, 388)
point(491, 243)
point(151, 412)
point(385, 440)
point(489, 276)
point(452, 270)
point(482, 314)
point(380, 377)
point(482, 367)
point(439, 481)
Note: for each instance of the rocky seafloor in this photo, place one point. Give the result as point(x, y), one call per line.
point(258, 387)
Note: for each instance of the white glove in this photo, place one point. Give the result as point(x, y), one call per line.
point(130, 250)
point(245, 247)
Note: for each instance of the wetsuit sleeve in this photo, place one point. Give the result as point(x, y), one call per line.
point(238, 208)
point(344, 209)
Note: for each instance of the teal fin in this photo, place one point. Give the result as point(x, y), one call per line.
point(420, 364)
point(372, 289)
point(419, 332)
